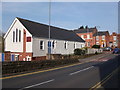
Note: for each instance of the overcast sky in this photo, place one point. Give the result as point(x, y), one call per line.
point(68, 15)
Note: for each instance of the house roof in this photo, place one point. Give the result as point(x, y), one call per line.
point(100, 33)
point(42, 30)
point(84, 30)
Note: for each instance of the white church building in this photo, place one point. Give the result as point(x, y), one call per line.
point(27, 40)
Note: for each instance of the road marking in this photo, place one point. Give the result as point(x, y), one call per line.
point(37, 84)
point(99, 84)
point(20, 75)
point(43, 71)
point(81, 70)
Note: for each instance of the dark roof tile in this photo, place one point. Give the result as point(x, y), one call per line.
point(42, 30)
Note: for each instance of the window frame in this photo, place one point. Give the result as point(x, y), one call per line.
point(114, 38)
point(42, 45)
point(19, 35)
point(66, 44)
point(97, 38)
point(103, 37)
point(14, 36)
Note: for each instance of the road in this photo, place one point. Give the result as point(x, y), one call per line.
point(100, 72)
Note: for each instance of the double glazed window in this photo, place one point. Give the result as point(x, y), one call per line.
point(74, 45)
point(42, 45)
point(103, 37)
point(65, 45)
point(97, 37)
point(114, 38)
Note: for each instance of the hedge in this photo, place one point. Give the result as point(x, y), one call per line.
point(22, 66)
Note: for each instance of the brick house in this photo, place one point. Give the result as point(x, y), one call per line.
point(118, 37)
point(101, 38)
point(87, 35)
point(113, 40)
point(27, 40)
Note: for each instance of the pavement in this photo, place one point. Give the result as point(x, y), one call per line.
point(92, 73)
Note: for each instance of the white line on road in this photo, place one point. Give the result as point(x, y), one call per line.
point(37, 84)
point(81, 70)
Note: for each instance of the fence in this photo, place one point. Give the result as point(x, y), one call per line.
point(93, 51)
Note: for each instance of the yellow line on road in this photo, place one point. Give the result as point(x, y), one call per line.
point(98, 85)
point(42, 71)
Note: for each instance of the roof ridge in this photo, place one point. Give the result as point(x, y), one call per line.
point(43, 24)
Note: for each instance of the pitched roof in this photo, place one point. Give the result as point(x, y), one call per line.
point(84, 30)
point(100, 33)
point(42, 30)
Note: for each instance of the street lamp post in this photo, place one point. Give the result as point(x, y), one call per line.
point(49, 43)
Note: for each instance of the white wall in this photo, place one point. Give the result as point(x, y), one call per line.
point(16, 46)
point(59, 48)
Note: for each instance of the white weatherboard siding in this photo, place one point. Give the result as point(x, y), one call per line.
point(16, 46)
point(59, 47)
point(36, 47)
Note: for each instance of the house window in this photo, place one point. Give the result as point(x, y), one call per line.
point(53, 44)
point(103, 37)
point(42, 45)
point(13, 36)
point(16, 35)
point(114, 38)
point(65, 45)
point(28, 39)
point(88, 36)
point(97, 37)
point(19, 36)
point(97, 43)
point(74, 45)
point(88, 44)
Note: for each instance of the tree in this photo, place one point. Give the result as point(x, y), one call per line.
point(82, 27)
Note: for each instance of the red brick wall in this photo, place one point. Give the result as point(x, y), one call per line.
point(118, 37)
point(7, 56)
point(22, 55)
point(91, 41)
point(39, 58)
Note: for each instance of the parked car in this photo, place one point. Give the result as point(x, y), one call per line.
point(116, 51)
point(107, 49)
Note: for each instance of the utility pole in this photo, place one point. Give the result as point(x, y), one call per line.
point(49, 42)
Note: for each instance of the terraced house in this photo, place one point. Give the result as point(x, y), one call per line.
point(87, 35)
point(27, 40)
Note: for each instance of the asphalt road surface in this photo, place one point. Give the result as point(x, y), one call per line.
point(101, 72)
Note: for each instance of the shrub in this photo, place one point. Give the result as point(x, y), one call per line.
point(22, 66)
point(79, 52)
point(96, 46)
